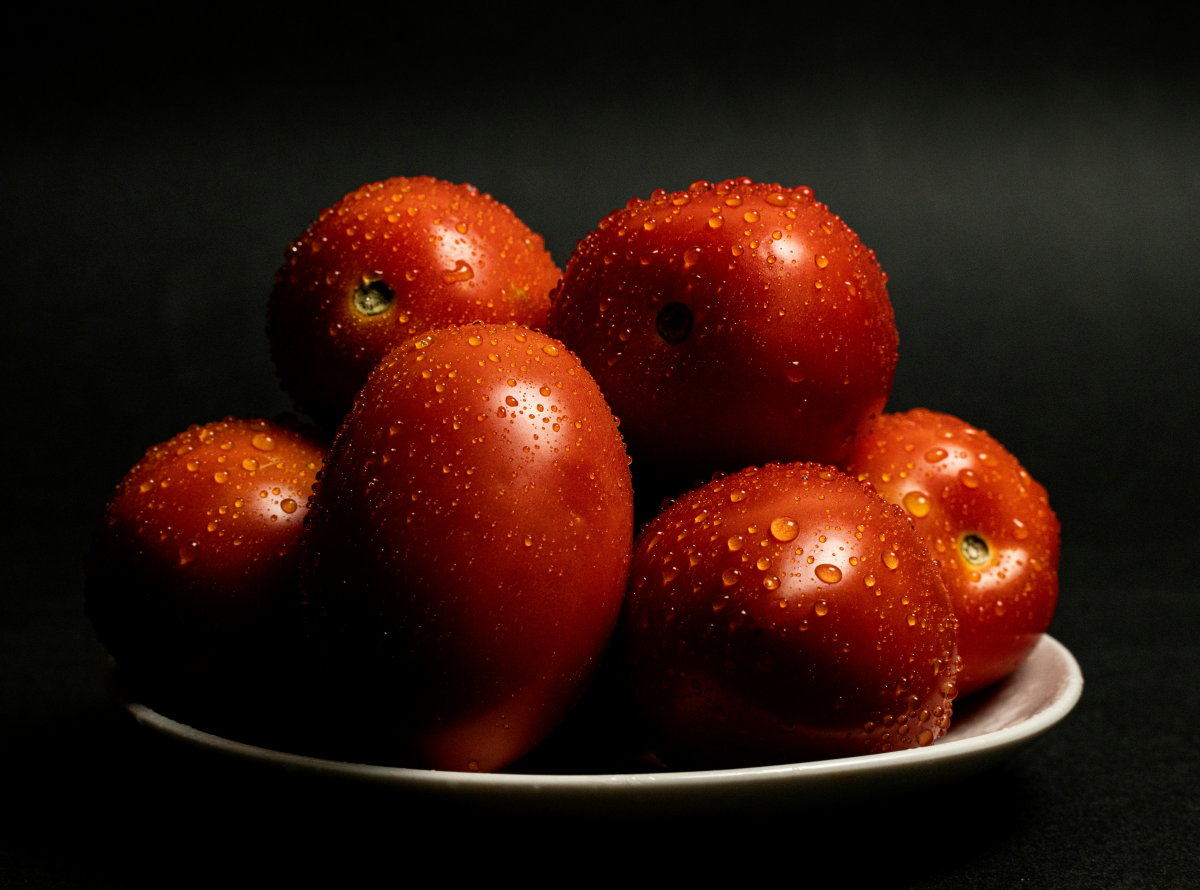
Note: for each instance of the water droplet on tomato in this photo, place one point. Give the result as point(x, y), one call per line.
point(917, 503)
point(830, 574)
point(288, 505)
point(968, 478)
point(821, 261)
point(821, 608)
point(784, 529)
point(729, 577)
point(462, 271)
point(263, 442)
point(188, 551)
point(891, 560)
point(1020, 530)
point(220, 476)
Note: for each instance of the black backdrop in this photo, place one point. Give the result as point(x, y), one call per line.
point(1032, 187)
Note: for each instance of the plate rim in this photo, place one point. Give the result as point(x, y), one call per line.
point(995, 741)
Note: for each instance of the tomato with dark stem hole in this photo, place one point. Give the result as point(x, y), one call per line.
point(388, 261)
point(783, 614)
point(988, 523)
point(194, 565)
point(469, 546)
point(743, 319)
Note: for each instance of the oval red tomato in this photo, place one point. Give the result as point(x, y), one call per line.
point(987, 522)
point(470, 543)
point(742, 319)
point(784, 614)
point(386, 262)
point(194, 565)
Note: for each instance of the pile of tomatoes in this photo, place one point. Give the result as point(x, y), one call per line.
point(812, 577)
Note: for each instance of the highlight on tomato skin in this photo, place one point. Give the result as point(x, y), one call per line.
point(782, 614)
point(743, 318)
point(469, 546)
point(194, 564)
point(388, 261)
point(988, 523)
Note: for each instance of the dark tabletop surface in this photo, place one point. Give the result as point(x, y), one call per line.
point(1031, 186)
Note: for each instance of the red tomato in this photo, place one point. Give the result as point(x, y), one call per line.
point(194, 563)
point(784, 614)
point(987, 522)
point(470, 544)
point(386, 262)
point(743, 319)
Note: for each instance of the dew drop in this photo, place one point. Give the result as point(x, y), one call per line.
point(917, 503)
point(784, 529)
point(528, 541)
point(250, 464)
point(750, 216)
point(475, 340)
point(188, 551)
point(1020, 530)
point(736, 543)
point(220, 476)
point(821, 261)
point(925, 738)
point(821, 608)
point(715, 222)
point(968, 478)
point(911, 618)
point(738, 495)
point(462, 271)
point(830, 574)
point(287, 505)
point(263, 442)
point(193, 466)
point(891, 560)
point(729, 577)
point(869, 580)
point(551, 350)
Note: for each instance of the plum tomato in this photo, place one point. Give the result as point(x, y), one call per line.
point(469, 541)
point(784, 614)
point(389, 261)
point(744, 318)
point(987, 522)
point(194, 563)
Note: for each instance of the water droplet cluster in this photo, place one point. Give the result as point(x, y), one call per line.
point(765, 587)
point(391, 260)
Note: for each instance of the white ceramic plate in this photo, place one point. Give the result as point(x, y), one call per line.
point(987, 728)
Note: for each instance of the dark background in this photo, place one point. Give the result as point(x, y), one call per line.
point(1031, 185)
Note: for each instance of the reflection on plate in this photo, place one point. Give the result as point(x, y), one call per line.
point(987, 728)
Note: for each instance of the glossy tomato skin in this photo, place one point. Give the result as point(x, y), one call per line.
point(988, 523)
point(742, 318)
point(785, 614)
point(194, 566)
point(388, 261)
point(470, 544)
